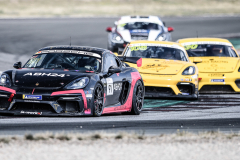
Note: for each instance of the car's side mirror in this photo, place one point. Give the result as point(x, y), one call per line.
point(17, 65)
point(114, 69)
point(109, 29)
point(170, 29)
point(197, 60)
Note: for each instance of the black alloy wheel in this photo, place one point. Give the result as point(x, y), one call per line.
point(138, 98)
point(98, 100)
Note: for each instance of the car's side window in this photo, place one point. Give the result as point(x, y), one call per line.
point(110, 60)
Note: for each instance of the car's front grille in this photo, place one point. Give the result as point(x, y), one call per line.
point(217, 89)
point(238, 83)
point(158, 90)
point(33, 107)
point(139, 37)
point(185, 89)
point(4, 103)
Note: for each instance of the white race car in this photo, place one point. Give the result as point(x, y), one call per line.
point(131, 28)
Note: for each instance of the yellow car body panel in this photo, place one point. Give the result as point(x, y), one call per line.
point(211, 69)
point(164, 73)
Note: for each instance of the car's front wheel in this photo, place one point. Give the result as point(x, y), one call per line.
point(138, 98)
point(98, 98)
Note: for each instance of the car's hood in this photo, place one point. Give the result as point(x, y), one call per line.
point(217, 64)
point(161, 66)
point(44, 78)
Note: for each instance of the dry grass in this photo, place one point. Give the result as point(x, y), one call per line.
point(76, 8)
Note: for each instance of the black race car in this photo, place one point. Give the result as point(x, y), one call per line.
point(71, 81)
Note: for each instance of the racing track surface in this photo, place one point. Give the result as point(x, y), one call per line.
point(20, 38)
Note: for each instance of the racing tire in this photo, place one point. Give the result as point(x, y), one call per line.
point(138, 98)
point(98, 98)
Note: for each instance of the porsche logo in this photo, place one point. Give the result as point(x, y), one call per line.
point(37, 84)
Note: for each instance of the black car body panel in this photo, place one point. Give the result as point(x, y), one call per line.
point(43, 92)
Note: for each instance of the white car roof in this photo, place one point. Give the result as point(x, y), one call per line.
point(150, 19)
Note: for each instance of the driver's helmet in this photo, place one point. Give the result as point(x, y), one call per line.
point(95, 64)
point(57, 61)
point(151, 26)
point(217, 50)
point(168, 53)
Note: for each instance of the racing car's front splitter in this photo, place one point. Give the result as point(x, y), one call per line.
point(219, 83)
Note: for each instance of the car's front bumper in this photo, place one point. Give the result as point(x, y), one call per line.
point(170, 86)
point(228, 83)
point(56, 103)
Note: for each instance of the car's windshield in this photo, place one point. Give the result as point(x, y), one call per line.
point(209, 50)
point(139, 25)
point(65, 61)
point(156, 52)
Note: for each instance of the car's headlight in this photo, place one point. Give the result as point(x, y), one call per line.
point(117, 38)
point(5, 80)
point(189, 71)
point(162, 37)
point(78, 83)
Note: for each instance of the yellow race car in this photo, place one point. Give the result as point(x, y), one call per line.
point(164, 67)
point(218, 64)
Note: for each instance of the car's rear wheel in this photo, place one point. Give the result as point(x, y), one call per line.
point(138, 98)
point(98, 100)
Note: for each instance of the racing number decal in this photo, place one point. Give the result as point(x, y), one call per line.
point(109, 86)
point(193, 46)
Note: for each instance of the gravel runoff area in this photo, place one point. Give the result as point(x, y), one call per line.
point(182, 145)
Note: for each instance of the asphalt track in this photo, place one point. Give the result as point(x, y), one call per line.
point(21, 38)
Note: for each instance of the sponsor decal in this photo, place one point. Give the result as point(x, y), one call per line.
point(31, 101)
point(117, 86)
point(109, 86)
point(216, 75)
point(33, 97)
point(217, 80)
point(186, 94)
point(72, 51)
point(193, 46)
point(206, 42)
point(32, 113)
point(155, 45)
point(89, 95)
point(56, 106)
point(136, 48)
point(195, 76)
point(44, 74)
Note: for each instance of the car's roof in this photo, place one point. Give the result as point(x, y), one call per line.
point(185, 40)
point(150, 19)
point(77, 48)
point(157, 42)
